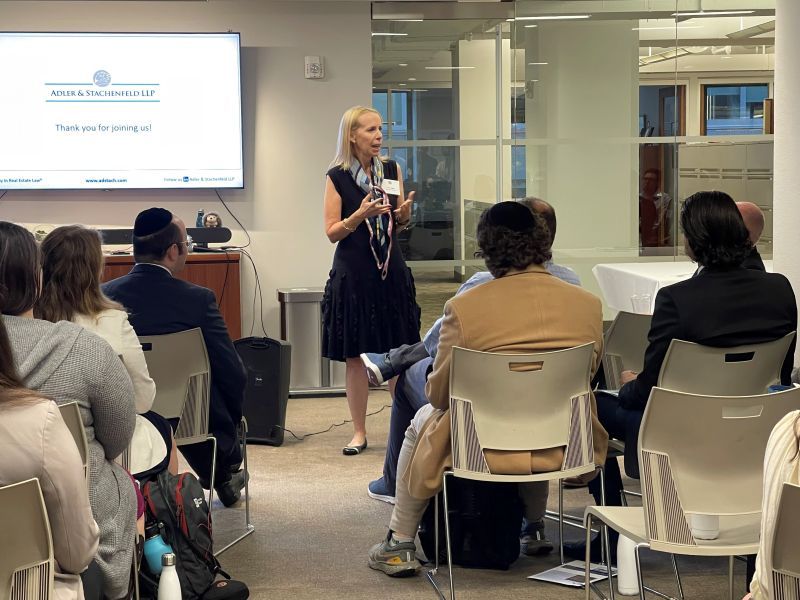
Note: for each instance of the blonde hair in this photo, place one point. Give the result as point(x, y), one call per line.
point(344, 148)
point(72, 263)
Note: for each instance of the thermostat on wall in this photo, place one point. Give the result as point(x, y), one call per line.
point(314, 67)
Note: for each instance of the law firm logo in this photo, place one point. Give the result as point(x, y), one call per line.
point(101, 78)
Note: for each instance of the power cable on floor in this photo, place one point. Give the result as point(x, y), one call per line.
point(345, 422)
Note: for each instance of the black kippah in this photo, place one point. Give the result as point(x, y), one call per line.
point(151, 221)
point(513, 215)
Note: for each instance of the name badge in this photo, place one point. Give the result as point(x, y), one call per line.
point(391, 186)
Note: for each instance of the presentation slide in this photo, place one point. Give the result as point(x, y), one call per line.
point(105, 111)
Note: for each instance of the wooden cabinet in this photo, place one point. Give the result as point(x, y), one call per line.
point(216, 271)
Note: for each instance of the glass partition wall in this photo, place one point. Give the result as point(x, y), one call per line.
point(612, 111)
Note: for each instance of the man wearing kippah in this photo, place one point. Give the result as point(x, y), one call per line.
point(412, 364)
point(159, 303)
point(539, 312)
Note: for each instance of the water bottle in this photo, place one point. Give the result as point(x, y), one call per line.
point(155, 547)
point(705, 527)
point(200, 214)
point(627, 583)
point(169, 586)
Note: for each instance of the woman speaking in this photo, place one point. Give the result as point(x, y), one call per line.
point(369, 303)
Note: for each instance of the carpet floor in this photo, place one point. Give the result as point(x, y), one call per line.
point(314, 524)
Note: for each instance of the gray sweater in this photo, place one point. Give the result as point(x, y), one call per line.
point(67, 363)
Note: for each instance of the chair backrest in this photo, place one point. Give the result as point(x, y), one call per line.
point(72, 418)
point(26, 561)
point(625, 345)
point(738, 371)
point(178, 363)
point(785, 557)
point(521, 402)
point(704, 454)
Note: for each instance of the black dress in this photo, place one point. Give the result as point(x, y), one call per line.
point(361, 312)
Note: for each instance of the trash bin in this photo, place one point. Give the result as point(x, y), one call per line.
point(301, 326)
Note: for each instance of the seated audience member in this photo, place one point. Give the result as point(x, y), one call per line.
point(65, 362)
point(35, 442)
point(780, 466)
point(538, 312)
point(72, 264)
point(723, 305)
point(413, 363)
point(159, 303)
point(754, 221)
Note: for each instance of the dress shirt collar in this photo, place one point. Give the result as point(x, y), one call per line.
point(147, 264)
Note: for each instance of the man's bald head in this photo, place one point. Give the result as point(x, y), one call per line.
point(545, 210)
point(753, 220)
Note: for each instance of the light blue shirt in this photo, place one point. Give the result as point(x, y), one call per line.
point(431, 339)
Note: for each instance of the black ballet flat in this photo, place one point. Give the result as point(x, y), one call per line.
point(353, 450)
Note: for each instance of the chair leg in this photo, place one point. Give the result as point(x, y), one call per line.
point(605, 555)
point(213, 441)
point(247, 523)
point(249, 527)
point(730, 577)
point(605, 543)
point(447, 537)
point(561, 519)
point(587, 565)
point(677, 576)
point(639, 578)
point(436, 530)
point(431, 574)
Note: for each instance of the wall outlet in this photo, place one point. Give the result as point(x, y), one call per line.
point(314, 67)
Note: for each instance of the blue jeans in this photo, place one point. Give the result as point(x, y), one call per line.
point(622, 424)
point(409, 397)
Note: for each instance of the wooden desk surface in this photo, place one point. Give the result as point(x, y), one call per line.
point(216, 271)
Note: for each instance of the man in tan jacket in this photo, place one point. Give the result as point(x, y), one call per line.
point(524, 309)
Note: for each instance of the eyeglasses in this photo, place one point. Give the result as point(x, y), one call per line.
point(189, 243)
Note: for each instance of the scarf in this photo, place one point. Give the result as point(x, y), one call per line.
point(380, 226)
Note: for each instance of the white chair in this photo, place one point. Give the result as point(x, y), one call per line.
point(517, 402)
point(624, 347)
point(178, 363)
point(26, 562)
point(738, 371)
point(72, 418)
point(699, 455)
point(785, 557)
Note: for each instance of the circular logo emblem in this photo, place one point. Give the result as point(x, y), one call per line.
point(101, 78)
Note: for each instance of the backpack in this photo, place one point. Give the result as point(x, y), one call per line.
point(178, 502)
point(485, 521)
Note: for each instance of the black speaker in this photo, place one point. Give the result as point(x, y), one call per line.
point(266, 394)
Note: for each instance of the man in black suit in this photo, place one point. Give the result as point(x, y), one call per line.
point(754, 221)
point(159, 303)
point(723, 305)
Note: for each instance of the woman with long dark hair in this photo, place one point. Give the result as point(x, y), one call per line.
point(67, 363)
point(72, 265)
point(723, 305)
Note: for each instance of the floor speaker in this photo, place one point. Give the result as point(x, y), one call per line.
point(266, 394)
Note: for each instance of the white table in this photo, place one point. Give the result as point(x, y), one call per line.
point(632, 287)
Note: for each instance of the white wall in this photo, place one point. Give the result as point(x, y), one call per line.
point(290, 126)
